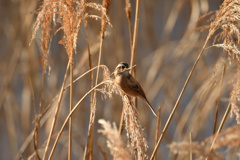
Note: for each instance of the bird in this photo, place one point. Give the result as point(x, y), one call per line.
point(129, 84)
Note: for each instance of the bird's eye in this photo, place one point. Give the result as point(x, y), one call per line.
point(122, 67)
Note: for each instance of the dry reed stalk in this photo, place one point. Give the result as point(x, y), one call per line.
point(229, 137)
point(179, 98)
point(225, 116)
point(46, 40)
point(128, 14)
point(226, 19)
point(56, 114)
point(88, 153)
point(203, 149)
point(120, 129)
point(90, 65)
point(219, 129)
point(70, 50)
point(157, 128)
point(158, 74)
point(133, 48)
point(104, 67)
point(219, 98)
point(72, 111)
point(16, 57)
point(105, 12)
point(70, 108)
point(71, 26)
point(69, 41)
point(71, 16)
point(91, 73)
point(115, 143)
point(134, 44)
point(45, 47)
point(45, 118)
point(103, 153)
point(74, 108)
point(206, 91)
point(38, 124)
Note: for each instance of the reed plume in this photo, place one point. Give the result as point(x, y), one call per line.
point(115, 143)
point(228, 138)
point(226, 21)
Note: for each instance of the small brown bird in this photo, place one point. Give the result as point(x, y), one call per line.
point(129, 84)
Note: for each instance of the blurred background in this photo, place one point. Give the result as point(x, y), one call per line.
point(167, 46)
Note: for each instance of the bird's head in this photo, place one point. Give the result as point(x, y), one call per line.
point(121, 68)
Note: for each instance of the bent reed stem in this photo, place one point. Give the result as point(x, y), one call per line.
point(220, 128)
point(179, 98)
point(56, 113)
point(70, 114)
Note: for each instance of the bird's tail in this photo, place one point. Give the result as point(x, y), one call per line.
point(149, 105)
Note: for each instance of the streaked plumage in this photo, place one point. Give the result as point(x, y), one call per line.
point(129, 84)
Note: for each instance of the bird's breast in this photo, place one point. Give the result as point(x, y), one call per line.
point(124, 83)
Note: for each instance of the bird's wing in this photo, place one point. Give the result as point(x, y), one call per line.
point(134, 86)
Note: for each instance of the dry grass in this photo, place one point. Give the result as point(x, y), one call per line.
point(114, 142)
point(235, 98)
point(229, 140)
point(53, 91)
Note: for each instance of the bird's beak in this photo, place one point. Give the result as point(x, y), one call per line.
point(128, 69)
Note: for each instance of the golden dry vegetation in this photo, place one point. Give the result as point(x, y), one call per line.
point(58, 98)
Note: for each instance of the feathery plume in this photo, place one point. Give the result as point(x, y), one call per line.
point(115, 143)
point(229, 138)
point(227, 19)
point(235, 98)
point(133, 127)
